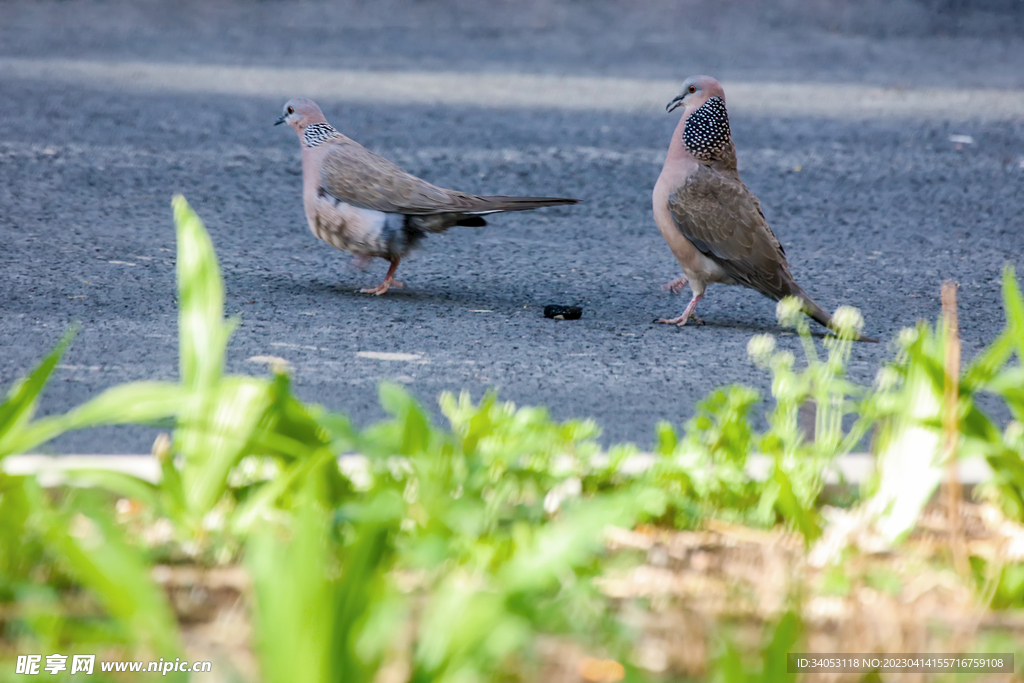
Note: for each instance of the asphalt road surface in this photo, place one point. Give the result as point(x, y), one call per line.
point(842, 115)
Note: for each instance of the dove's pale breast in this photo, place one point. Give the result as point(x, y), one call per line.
point(361, 231)
point(366, 232)
point(699, 269)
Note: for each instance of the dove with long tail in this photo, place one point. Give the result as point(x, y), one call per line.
point(360, 202)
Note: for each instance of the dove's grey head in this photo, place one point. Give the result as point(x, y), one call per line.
point(301, 113)
point(695, 92)
point(705, 121)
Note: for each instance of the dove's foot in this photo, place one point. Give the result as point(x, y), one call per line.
point(687, 314)
point(681, 320)
point(383, 287)
point(389, 280)
point(676, 285)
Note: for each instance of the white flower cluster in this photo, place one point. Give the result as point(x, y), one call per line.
point(760, 349)
point(848, 319)
point(886, 379)
point(789, 310)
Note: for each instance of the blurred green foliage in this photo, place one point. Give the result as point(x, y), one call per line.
point(732, 666)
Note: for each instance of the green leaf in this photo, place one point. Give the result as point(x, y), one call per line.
point(729, 666)
point(214, 432)
point(1013, 304)
point(19, 405)
point(202, 332)
point(172, 491)
point(14, 513)
point(294, 601)
point(568, 542)
point(1007, 381)
point(290, 418)
point(787, 633)
point(132, 403)
point(480, 425)
point(412, 421)
point(805, 519)
point(985, 365)
point(308, 615)
point(120, 483)
point(361, 583)
point(667, 438)
point(249, 512)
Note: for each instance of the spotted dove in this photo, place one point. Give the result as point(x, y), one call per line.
point(360, 202)
point(713, 224)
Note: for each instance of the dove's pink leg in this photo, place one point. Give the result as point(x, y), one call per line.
point(687, 314)
point(389, 280)
point(676, 285)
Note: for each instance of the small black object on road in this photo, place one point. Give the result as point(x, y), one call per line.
point(563, 312)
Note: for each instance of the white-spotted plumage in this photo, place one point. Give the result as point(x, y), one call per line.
point(707, 130)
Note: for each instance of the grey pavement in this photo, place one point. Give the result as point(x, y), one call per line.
point(875, 204)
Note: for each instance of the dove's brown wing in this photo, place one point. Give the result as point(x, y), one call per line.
point(723, 219)
point(357, 176)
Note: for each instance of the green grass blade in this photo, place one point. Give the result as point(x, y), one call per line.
point(213, 435)
point(803, 518)
point(14, 514)
point(18, 407)
point(306, 613)
point(120, 483)
point(249, 512)
point(1013, 303)
point(784, 638)
point(132, 403)
point(202, 332)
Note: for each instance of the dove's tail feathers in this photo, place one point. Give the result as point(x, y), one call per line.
point(817, 313)
point(471, 216)
point(498, 204)
point(813, 310)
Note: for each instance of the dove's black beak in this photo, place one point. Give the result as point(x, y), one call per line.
point(280, 120)
point(677, 102)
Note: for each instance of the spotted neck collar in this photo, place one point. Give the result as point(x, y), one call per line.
point(707, 133)
point(318, 133)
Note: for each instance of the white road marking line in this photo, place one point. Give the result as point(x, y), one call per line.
point(855, 467)
point(384, 355)
point(295, 346)
point(841, 100)
point(276, 363)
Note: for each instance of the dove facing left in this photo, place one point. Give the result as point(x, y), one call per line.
point(712, 222)
point(360, 202)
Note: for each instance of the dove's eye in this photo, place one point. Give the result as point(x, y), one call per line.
point(692, 88)
point(291, 110)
